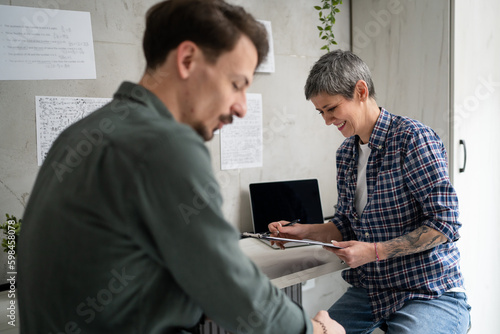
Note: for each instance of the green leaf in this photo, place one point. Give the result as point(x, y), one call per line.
point(324, 47)
point(329, 28)
point(317, 7)
point(320, 28)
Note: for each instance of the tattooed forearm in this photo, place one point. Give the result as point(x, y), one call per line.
point(419, 240)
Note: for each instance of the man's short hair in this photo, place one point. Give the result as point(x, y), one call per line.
point(337, 72)
point(213, 25)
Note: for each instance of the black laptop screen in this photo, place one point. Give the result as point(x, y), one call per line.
point(285, 200)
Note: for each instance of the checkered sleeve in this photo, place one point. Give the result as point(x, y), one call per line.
point(343, 225)
point(426, 175)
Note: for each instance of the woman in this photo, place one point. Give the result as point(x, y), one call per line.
point(396, 217)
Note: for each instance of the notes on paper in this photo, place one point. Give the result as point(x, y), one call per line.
point(267, 66)
point(54, 114)
point(42, 43)
point(241, 142)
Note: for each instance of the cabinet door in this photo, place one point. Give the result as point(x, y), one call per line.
point(406, 45)
point(476, 118)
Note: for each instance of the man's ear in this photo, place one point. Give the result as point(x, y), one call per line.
point(361, 90)
point(187, 53)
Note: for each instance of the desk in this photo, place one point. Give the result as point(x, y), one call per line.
point(286, 269)
point(292, 265)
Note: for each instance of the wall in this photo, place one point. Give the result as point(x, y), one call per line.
point(406, 45)
point(117, 30)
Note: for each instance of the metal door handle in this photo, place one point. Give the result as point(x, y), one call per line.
point(462, 169)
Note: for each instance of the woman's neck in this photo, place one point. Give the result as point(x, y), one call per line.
point(371, 116)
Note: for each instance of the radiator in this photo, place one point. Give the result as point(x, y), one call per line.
point(294, 292)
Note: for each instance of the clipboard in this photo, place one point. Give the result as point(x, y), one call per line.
point(304, 241)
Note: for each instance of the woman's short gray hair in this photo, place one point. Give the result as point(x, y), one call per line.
point(337, 73)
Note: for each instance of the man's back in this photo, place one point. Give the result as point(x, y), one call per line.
point(90, 244)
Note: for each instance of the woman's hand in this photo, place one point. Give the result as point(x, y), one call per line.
point(319, 232)
point(354, 253)
point(322, 323)
point(279, 229)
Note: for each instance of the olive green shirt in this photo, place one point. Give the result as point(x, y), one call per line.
point(124, 233)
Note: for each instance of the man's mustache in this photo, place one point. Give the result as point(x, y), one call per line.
point(226, 119)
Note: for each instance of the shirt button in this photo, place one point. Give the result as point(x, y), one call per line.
point(380, 147)
point(367, 234)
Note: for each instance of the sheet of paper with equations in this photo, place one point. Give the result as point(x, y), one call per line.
point(42, 43)
point(267, 66)
point(241, 142)
point(54, 114)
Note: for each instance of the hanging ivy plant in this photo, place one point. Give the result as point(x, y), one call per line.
point(327, 12)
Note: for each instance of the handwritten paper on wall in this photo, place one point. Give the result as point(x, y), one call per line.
point(54, 114)
point(267, 66)
point(241, 142)
point(42, 43)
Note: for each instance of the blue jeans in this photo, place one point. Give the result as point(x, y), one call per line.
point(448, 314)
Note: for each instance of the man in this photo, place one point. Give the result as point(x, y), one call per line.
point(124, 232)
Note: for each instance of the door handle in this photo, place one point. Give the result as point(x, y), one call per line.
point(462, 143)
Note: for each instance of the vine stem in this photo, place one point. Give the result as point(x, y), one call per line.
point(327, 22)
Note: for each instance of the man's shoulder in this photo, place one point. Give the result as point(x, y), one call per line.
point(137, 133)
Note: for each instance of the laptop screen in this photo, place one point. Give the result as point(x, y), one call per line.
point(285, 200)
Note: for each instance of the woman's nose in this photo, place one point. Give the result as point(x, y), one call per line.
point(328, 120)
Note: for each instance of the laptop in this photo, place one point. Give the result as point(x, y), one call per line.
point(285, 200)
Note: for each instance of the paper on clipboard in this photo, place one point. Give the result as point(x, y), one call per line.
point(304, 241)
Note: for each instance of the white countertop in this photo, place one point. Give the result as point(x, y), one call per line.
point(292, 265)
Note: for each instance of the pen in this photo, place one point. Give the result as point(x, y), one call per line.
point(293, 222)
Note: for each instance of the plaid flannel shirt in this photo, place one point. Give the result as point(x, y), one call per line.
point(408, 187)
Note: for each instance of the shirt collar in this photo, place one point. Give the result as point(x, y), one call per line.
point(142, 95)
point(380, 131)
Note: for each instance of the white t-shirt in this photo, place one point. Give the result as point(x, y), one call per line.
point(361, 196)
